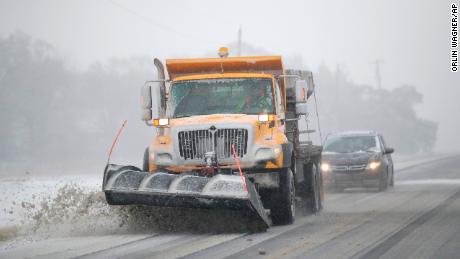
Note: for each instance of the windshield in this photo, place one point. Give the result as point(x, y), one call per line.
point(221, 96)
point(350, 144)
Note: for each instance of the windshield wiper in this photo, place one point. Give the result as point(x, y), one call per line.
point(182, 116)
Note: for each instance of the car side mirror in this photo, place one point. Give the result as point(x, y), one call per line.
point(389, 150)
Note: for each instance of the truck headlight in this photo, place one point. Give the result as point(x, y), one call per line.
point(160, 122)
point(266, 117)
point(373, 165)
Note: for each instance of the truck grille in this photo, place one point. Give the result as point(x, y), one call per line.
point(194, 144)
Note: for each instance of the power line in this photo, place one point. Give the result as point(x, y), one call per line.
point(211, 15)
point(150, 21)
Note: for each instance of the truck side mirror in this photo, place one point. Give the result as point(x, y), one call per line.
point(310, 83)
point(146, 103)
point(161, 79)
point(301, 90)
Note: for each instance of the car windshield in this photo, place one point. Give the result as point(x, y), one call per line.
point(221, 96)
point(350, 144)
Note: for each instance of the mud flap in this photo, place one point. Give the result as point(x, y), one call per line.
point(124, 185)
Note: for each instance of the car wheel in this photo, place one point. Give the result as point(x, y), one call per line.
point(392, 181)
point(383, 182)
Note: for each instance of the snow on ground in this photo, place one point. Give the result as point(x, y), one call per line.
point(39, 208)
point(56, 206)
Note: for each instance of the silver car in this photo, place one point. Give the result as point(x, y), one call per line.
point(357, 159)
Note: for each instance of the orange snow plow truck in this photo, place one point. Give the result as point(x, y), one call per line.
point(228, 136)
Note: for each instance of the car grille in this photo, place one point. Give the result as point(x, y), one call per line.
point(349, 167)
point(194, 144)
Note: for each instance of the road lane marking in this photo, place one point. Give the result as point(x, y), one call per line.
point(445, 181)
point(423, 163)
point(116, 246)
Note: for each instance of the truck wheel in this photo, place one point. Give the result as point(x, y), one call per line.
point(283, 211)
point(321, 189)
point(315, 190)
point(145, 161)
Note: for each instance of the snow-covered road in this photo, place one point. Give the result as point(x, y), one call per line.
point(66, 217)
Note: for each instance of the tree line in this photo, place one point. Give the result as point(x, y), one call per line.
point(50, 112)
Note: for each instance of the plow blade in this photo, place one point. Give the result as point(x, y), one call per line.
point(124, 185)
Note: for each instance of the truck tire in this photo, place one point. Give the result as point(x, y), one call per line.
point(321, 189)
point(283, 210)
point(145, 161)
point(314, 192)
point(315, 204)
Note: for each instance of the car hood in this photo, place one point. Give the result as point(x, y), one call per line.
point(354, 158)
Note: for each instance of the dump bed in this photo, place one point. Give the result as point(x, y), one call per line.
point(194, 66)
point(252, 64)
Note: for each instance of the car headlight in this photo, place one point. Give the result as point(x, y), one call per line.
point(325, 167)
point(373, 165)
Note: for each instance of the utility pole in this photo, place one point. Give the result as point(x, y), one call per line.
point(239, 41)
point(378, 76)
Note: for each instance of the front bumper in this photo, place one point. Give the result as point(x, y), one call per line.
point(256, 154)
point(344, 179)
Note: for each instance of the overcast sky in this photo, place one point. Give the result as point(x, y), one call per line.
point(412, 38)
